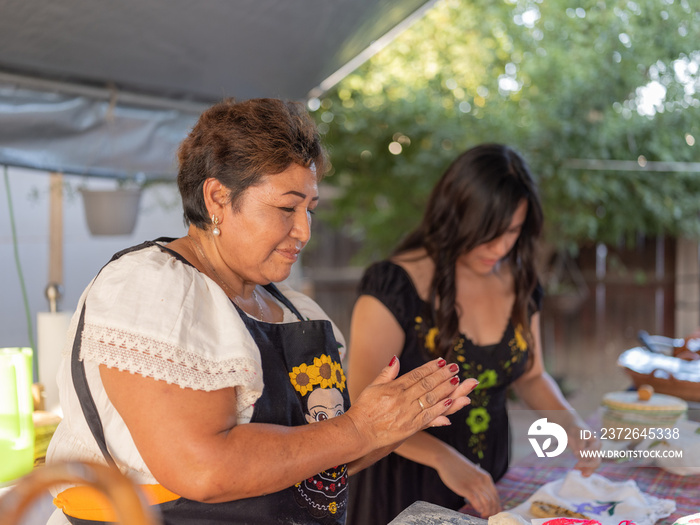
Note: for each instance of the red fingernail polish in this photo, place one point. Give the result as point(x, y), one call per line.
point(448, 402)
point(454, 368)
point(441, 363)
point(393, 360)
point(454, 381)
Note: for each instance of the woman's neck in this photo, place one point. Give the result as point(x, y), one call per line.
point(211, 263)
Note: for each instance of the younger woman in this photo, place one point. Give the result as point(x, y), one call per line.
point(462, 286)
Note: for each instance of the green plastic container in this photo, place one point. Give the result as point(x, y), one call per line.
point(16, 408)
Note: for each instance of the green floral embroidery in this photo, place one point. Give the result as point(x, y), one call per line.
point(487, 379)
point(477, 442)
point(480, 396)
point(478, 420)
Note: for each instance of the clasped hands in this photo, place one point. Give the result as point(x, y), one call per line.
point(391, 409)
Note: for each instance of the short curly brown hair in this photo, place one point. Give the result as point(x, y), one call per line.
point(238, 143)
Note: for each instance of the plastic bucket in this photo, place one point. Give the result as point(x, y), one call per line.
point(111, 212)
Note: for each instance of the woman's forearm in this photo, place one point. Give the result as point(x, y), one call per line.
point(365, 461)
point(425, 449)
point(255, 459)
point(193, 446)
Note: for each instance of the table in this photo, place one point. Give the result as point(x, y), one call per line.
point(527, 475)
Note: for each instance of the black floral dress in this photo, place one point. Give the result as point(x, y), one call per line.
point(480, 431)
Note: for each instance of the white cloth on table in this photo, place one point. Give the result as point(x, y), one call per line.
point(693, 519)
point(608, 502)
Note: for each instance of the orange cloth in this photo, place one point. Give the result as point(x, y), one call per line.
point(87, 503)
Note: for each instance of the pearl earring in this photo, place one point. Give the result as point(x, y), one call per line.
point(215, 221)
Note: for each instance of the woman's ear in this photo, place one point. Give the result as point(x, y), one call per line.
point(215, 197)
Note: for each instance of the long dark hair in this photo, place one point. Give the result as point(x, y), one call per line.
point(473, 203)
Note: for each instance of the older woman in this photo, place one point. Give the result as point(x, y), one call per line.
point(218, 392)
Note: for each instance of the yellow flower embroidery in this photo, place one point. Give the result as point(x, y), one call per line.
point(322, 373)
point(430, 338)
point(301, 380)
point(333, 507)
point(338, 375)
point(519, 339)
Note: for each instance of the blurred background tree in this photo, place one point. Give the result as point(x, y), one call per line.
point(604, 81)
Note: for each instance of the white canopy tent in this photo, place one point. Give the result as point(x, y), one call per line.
point(99, 88)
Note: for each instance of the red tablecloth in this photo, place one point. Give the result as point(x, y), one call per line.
point(526, 476)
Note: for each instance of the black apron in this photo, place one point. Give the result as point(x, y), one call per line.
point(300, 360)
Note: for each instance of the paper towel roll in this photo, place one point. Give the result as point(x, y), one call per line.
point(52, 328)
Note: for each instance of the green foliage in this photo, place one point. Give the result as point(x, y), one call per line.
point(556, 82)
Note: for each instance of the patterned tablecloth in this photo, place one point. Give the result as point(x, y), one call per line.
point(526, 476)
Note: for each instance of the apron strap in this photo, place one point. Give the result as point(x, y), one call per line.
point(274, 291)
point(77, 367)
point(87, 403)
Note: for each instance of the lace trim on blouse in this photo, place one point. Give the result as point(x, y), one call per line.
point(148, 357)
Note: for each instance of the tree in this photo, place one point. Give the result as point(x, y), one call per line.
point(607, 81)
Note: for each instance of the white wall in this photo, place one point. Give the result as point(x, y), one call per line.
point(83, 255)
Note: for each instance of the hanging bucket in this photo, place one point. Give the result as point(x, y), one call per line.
point(111, 212)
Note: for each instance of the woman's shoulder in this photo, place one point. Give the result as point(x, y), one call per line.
point(128, 290)
point(127, 266)
point(179, 325)
point(386, 277)
point(392, 283)
point(147, 268)
point(419, 268)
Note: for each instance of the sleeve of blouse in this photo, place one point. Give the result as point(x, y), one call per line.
point(152, 315)
point(390, 284)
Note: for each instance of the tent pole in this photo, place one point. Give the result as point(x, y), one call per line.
point(55, 230)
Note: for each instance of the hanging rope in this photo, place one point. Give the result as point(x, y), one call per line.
point(15, 246)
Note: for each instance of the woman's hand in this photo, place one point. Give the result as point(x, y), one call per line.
point(470, 481)
point(389, 410)
point(587, 465)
